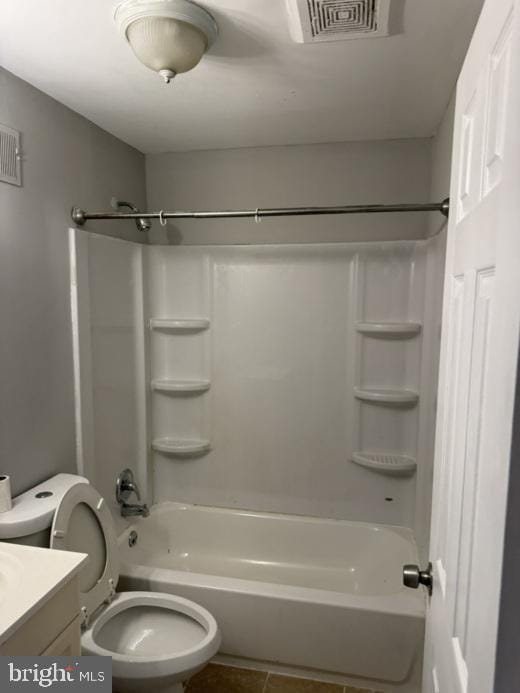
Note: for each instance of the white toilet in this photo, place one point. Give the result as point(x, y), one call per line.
point(156, 641)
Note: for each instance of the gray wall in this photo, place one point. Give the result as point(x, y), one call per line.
point(67, 160)
point(321, 174)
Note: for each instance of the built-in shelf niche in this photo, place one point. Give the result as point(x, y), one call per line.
point(169, 386)
point(179, 324)
point(389, 330)
point(396, 398)
point(385, 463)
point(180, 448)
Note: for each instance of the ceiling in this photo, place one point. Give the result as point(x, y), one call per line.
point(256, 87)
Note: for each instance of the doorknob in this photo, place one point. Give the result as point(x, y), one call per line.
point(413, 577)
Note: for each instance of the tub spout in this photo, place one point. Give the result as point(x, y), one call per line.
point(134, 510)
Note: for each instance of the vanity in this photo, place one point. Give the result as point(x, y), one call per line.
point(39, 601)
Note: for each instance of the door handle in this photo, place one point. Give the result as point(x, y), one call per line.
point(413, 577)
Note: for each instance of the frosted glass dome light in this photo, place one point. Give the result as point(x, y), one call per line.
point(168, 36)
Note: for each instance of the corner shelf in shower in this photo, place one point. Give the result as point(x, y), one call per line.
point(394, 398)
point(180, 386)
point(389, 330)
point(387, 464)
point(179, 324)
point(180, 448)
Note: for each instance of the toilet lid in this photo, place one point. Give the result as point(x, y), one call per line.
point(83, 523)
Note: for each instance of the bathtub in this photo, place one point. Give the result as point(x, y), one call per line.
point(298, 591)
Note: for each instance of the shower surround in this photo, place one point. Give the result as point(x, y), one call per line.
point(285, 359)
point(290, 380)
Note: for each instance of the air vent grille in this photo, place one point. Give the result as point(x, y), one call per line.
point(10, 168)
point(336, 20)
point(333, 17)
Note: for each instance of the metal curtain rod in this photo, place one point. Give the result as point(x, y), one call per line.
point(80, 217)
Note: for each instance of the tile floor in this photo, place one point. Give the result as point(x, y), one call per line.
point(216, 678)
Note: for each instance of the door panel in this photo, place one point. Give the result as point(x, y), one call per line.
point(479, 348)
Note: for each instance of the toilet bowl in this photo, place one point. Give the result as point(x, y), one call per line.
point(156, 641)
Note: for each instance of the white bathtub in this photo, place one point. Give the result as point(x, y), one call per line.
point(303, 592)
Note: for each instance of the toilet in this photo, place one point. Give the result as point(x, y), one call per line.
point(156, 641)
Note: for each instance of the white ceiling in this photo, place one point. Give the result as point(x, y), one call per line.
point(256, 87)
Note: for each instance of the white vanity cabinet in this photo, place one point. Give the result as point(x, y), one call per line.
point(39, 601)
point(67, 644)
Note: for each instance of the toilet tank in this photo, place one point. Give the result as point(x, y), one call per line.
point(30, 519)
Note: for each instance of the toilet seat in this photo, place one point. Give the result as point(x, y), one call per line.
point(83, 523)
point(172, 660)
point(150, 636)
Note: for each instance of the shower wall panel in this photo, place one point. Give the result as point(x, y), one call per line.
point(283, 355)
point(109, 359)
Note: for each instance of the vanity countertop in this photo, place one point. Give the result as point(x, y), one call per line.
point(29, 577)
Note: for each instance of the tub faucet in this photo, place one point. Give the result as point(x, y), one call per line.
point(125, 487)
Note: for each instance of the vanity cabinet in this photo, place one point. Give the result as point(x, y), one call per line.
point(53, 629)
point(67, 644)
point(40, 610)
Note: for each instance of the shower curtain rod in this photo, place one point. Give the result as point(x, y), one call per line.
point(80, 216)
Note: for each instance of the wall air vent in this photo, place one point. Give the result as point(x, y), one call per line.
point(10, 159)
point(336, 20)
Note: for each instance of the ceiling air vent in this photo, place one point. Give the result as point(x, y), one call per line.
point(10, 160)
point(337, 20)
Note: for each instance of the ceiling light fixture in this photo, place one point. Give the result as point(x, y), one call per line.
point(168, 36)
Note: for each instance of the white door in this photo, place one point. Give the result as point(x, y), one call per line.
point(479, 354)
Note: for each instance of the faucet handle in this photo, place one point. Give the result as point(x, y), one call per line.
point(125, 486)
